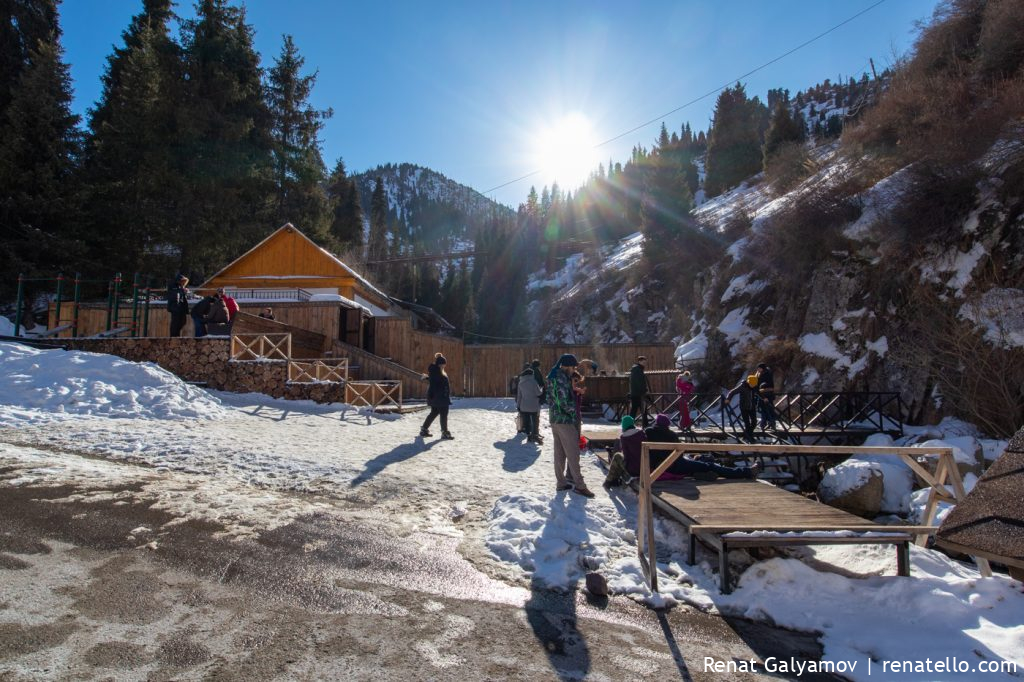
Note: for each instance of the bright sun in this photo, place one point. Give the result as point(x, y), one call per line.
point(565, 152)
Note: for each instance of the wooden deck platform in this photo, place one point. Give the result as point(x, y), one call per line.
point(731, 514)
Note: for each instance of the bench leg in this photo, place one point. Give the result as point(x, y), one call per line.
point(723, 569)
point(691, 557)
point(903, 559)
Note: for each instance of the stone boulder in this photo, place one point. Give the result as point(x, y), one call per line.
point(597, 585)
point(853, 486)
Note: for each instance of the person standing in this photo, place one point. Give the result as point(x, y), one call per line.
point(766, 396)
point(528, 404)
point(563, 426)
point(177, 304)
point(199, 313)
point(439, 397)
point(229, 302)
point(685, 389)
point(538, 374)
point(746, 390)
point(638, 390)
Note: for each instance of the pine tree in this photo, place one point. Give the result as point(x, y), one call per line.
point(734, 143)
point(132, 165)
point(39, 151)
point(23, 25)
point(298, 166)
point(377, 247)
point(227, 128)
point(783, 129)
point(347, 217)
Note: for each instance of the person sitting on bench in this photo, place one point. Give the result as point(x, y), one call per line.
point(632, 440)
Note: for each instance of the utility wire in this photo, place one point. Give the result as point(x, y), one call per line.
point(709, 93)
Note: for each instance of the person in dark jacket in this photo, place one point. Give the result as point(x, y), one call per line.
point(199, 313)
point(439, 397)
point(632, 439)
point(177, 304)
point(538, 374)
point(638, 390)
point(528, 404)
point(766, 396)
point(746, 390)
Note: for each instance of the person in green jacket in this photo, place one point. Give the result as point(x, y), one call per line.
point(562, 415)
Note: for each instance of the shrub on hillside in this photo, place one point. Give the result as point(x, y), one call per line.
point(932, 206)
point(962, 85)
point(797, 239)
point(787, 165)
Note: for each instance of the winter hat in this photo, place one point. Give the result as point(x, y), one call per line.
point(663, 421)
point(528, 372)
point(439, 359)
point(752, 380)
point(628, 423)
point(762, 366)
point(568, 360)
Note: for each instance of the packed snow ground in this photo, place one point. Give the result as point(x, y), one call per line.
point(238, 460)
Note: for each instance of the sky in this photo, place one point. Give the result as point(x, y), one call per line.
point(487, 92)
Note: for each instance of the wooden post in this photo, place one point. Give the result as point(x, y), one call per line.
point(117, 299)
point(145, 312)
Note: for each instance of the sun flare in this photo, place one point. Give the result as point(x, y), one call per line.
point(565, 151)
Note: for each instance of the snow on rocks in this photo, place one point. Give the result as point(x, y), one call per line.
point(854, 486)
point(47, 384)
point(692, 350)
point(1000, 313)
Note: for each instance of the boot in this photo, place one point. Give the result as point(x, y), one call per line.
point(447, 435)
point(425, 434)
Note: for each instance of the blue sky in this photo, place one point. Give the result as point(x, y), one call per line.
point(468, 88)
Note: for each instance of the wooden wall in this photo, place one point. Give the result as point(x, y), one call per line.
point(395, 338)
point(488, 369)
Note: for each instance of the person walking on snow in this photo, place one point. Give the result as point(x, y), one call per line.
point(439, 397)
point(563, 426)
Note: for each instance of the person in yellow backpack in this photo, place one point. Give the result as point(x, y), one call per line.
point(748, 406)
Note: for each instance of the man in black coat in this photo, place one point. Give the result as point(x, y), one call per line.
point(638, 390)
point(177, 304)
point(766, 396)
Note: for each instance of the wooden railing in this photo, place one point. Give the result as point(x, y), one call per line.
point(818, 416)
point(946, 475)
point(374, 394)
point(317, 371)
point(370, 365)
point(261, 347)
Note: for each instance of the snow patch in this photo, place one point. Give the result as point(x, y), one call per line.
point(42, 385)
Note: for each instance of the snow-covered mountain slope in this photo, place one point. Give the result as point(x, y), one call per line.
point(848, 281)
point(427, 205)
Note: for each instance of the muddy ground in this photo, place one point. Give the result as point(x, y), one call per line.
point(115, 590)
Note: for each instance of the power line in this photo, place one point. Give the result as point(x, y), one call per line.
point(709, 93)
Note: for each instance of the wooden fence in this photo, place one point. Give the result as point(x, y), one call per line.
point(321, 317)
point(395, 339)
point(488, 369)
